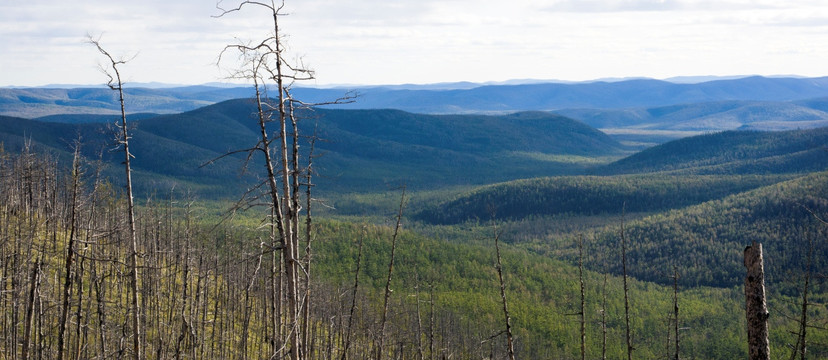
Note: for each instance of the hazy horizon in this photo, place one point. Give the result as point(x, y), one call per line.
point(448, 84)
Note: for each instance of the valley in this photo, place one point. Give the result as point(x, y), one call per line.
point(692, 173)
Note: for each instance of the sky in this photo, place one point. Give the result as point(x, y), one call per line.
point(371, 42)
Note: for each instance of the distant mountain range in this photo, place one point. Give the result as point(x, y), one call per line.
point(640, 112)
point(436, 98)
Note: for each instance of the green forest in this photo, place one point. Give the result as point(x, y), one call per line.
point(268, 227)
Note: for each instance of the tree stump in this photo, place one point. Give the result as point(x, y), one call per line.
point(755, 306)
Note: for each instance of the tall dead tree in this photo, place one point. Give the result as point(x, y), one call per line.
point(510, 349)
point(116, 84)
point(70, 252)
point(347, 345)
point(801, 346)
point(582, 311)
point(626, 288)
point(676, 310)
point(264, 61)
point(390, 273)
point(756, 309)
point(604, 316)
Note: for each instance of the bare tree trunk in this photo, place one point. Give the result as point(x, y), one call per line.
point(185, 325)
point(801, 346)
point(604, 318)
point(507, 319)
point(116, 84)
point(276, 285)
point(388, 280)
point(70, 254)
point(626, 289)
point(33, 285)
point(755, 306)
point(419, 319)
point(308, 222)
point(676, 310)
point(582, 313)
point(353, 299)
point(431, 320)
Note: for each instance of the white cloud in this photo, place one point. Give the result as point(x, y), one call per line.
point(383, 41)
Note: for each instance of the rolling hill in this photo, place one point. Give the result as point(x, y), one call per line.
point(361, 149)
point(588, 196)
point(599, 94)
point(457, 98)
point(694, 203)
point(731, 152)
point(38, 102)
point(706, 240)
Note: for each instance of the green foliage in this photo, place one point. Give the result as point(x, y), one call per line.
point(588, 195)
point(706, 240)
point(732, 152)
point(542, 294)
point(361, 149)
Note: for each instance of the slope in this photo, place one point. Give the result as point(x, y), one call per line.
point(589, 196)
point(705, 241)
point(707, 116)
point(732, 152)
point(361, 149)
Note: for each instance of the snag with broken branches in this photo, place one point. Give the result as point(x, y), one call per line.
point(264, 64)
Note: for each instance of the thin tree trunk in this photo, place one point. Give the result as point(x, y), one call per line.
point(604, 318)
point(276, 289)
point(308, 222)
point(70, 255)
point(582, 313)
point(116, 84)
point(755, 306)
point(33, 285)
point(388, 280)
point(801, 346)
point(626, 289)
point(353, 299)
point(508, 320)
point(676, 310)
point(431, 320)
point(419, 319)
point(185, 326)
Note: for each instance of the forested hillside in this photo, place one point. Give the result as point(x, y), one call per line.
point(708, 116)
point(706, 240)
point(589, 195)
point(732, 152)
point(360, 149)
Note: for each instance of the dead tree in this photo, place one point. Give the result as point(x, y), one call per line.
point(116, 84)
point(390, 273)
point(801, 347)
point(756, 309)
point(676, 310)
point(510, 349)
point(353, 299)
point(626, 288)
point(582, 312)
point(70, 252)
point(264, 63)
point(604, 316)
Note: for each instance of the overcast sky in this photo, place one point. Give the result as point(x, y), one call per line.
point(421, 41)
